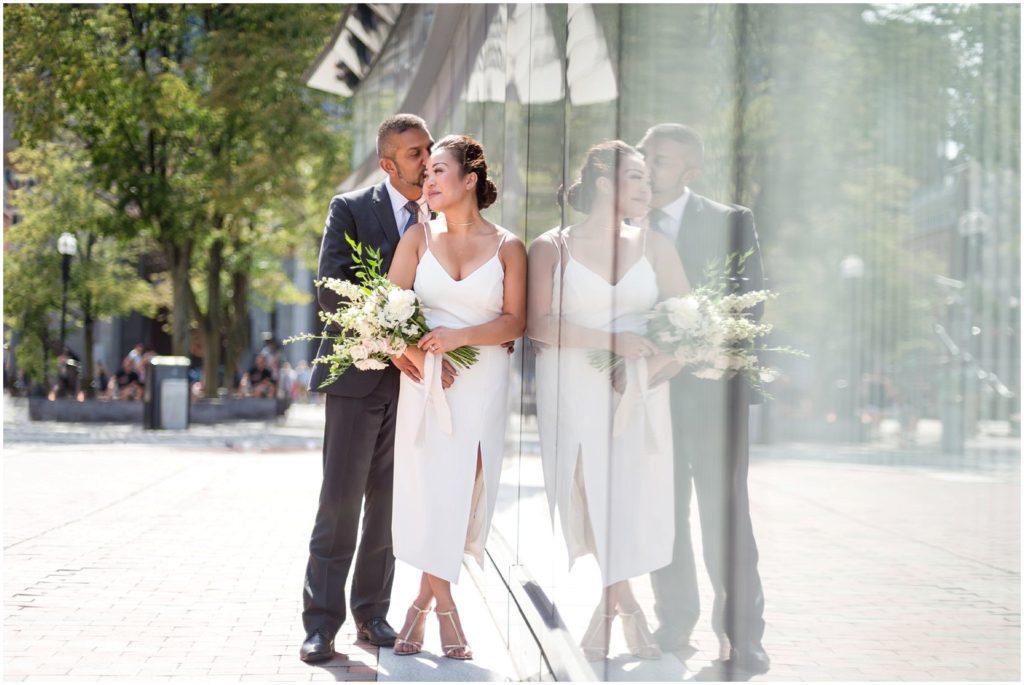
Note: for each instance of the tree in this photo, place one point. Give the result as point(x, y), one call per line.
point(104, 277)
point(192, 116)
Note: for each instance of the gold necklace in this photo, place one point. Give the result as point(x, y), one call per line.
point(450, 223)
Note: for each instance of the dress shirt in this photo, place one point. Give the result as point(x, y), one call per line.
point(398, 202)
point(674, 210)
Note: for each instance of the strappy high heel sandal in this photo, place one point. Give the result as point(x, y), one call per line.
point(419, 620)
point(598, 636)
point(449, 650)
point(639, 640)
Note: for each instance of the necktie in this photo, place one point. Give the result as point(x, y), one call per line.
point(658, 220)
point(414, 214)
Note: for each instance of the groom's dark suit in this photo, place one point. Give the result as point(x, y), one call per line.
point(359, 439)
point(709, 429)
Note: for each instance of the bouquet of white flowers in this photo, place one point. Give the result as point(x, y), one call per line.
point(711, 335)
point(375, 321)
point(709, 331)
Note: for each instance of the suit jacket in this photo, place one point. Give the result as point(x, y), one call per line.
point(367, 217)
point(711, 231)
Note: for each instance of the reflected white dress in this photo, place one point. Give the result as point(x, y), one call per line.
point(441, 511)
point(607, 456)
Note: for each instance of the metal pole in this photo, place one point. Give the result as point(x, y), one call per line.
point(66, 276)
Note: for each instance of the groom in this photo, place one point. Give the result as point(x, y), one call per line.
point(709, 421)
point(359, 432)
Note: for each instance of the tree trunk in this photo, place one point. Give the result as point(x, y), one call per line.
point(213, 320)
point(88, 362)
point(238, 331)
point(89, 323)
point(181, 258)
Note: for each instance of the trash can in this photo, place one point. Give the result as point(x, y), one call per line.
point(167, 396)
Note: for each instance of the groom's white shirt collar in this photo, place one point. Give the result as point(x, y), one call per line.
point(675, 210)
point(398, 202)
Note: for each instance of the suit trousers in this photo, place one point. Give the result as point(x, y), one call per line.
point(358, 463)
point(710, 436)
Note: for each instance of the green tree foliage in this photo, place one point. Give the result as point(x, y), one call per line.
point(104, 279)
point(832, 122)
point(196, 122)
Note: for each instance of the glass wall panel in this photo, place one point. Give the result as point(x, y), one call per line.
point(841, 490)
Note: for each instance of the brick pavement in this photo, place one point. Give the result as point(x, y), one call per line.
point(871, 572)
point(886, 573)
point(142, 561)
point(133, 562)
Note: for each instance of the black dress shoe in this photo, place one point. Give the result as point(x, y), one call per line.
point(750, 661)
point(377, 632)
point(317, 647)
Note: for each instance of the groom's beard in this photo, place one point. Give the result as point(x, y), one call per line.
point(417, 182)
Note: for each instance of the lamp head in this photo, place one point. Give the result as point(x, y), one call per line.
point(67, 244)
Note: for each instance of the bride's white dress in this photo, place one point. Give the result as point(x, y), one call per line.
point(607, 455)
point(441, 510)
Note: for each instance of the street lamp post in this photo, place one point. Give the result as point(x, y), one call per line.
point(67, 245)
point(851, 269)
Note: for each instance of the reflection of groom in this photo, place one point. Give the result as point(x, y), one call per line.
point(709, 420)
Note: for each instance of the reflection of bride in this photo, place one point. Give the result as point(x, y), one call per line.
point(606, 437)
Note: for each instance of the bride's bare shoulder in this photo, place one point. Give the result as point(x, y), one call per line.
point(547, 241)
point(507, 236)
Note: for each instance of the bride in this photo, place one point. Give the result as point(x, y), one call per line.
point(470, 276)
point(606, 438)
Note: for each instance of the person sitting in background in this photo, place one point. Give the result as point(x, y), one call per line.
point(100, 381)
point(22, 383)
point(286, 377)
point(142, 366)
point(302, 374)
point(67, 377)
point(135, 354)
point(125, 385)
point(271, 352)
point(259, 381)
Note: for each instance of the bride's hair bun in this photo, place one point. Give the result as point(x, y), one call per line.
point(486, 193)
point(574, 196)
point(469, 154)
point(602, 161)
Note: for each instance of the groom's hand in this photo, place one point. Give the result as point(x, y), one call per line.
point(447, 374)
point(661, 368)
point(406, 366)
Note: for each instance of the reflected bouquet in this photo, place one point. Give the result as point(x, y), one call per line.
point(710, 332)
point(375, 321)
point(711, 335)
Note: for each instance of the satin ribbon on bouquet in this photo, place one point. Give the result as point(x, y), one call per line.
point(635, 398)
point(434, 397)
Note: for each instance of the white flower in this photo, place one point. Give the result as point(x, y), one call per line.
point(365, 328)
point(767, 375)
point(709, 374)
point(684, 313)
point(370, 364)
point(358, 352)
point(401, 305)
